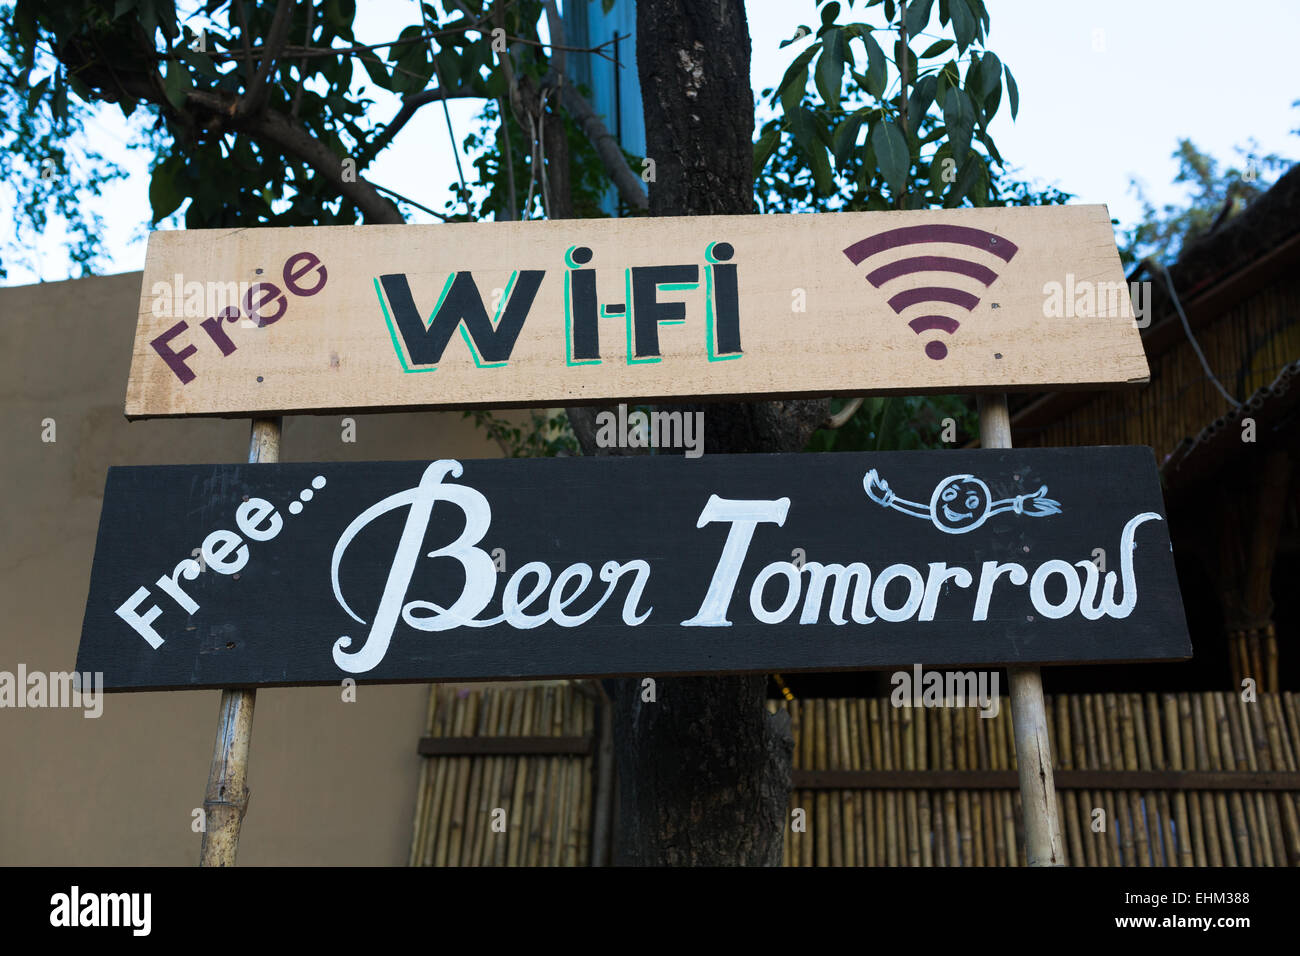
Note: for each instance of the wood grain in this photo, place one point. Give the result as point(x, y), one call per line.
point(808, 319)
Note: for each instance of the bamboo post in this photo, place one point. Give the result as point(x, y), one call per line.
point(834, 817)
point(1028, 713)
point(226, 797)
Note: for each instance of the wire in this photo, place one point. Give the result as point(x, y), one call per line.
point(1187, 328)
point(446, 110)
point(406, 199)
point(541, 152)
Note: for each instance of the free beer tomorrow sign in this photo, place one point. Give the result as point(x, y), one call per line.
point(246, 575)
point(254, 321)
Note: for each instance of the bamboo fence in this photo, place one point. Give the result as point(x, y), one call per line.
point(1247, 347)
point(547, 800)
point(505, 809)
point(1173, 826)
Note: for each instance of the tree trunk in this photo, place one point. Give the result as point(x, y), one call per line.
point(703, 769)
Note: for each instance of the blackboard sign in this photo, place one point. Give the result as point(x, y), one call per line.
point(295, 574)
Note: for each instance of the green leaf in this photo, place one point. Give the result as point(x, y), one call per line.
point(892, 155)
point(495, 86)
point(830, 12)
point(795, 82)
point(991, 106)
point(947, 77)
point(918, 15)
point(165, 195)
point(990, 74)
point(904, 55)
point(972, 84)
point(876, 66)
point(846, 135)
point(936, 49)
point(167, 20)
point(889, 10)
point(988, 144)
point(918, 102)
point(176, 84)
point(1013, 92)
point(765, 147)
point(804, 127)
point(450, 68)
point(339, 14)
point(963, 24)
point(830, 67)
point(973, 173)
point(37, 92)
point(202, 64)
point(375, 67)
point(943, 170)
point(59, 101)
point(821, 167)
point(959, 117)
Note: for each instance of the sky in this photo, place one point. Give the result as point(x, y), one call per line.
point(1107, 88)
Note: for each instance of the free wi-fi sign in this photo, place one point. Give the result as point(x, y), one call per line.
point(250, 321)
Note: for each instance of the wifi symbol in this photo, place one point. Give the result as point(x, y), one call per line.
point(864, 249)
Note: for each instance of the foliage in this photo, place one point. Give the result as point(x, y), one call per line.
point(788, 185)
point(487, 144)
point(46, 163)
point(901, 423)
point(923, 124)
point(899, 121)
point(1215, 193)
point(239, 136)
point(196, 77)
point(545, 434)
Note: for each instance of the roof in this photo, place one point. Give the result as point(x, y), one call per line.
point(1247, 253)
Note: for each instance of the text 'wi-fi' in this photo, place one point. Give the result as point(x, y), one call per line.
point(901, 269)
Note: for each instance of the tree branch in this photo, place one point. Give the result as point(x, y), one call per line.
point(409, 105)
point(302, 63)
point(274, 129)
point(258, 90)
point(217, 111)
point(556, 28)
point(625, 179)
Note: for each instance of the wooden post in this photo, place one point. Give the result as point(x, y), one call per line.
point(1043, 842)
point(226, 798)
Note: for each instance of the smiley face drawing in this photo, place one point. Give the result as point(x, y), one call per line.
point(960, 503)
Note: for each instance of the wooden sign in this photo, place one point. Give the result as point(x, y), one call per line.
point(256, 321)
point(242, 575)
